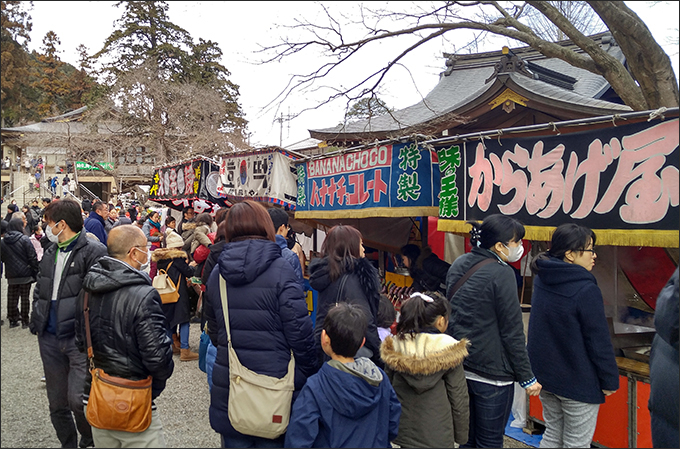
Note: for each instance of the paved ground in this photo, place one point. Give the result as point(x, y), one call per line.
point(25, 418)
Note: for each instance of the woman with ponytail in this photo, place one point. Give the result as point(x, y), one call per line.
point(486, 310)
point(425, 366)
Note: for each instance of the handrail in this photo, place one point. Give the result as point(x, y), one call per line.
point(88, 191)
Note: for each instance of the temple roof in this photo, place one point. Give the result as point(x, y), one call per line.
point(470, 85)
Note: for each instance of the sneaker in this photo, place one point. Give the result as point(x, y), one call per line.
point(24, 325)
point(43, 379)
point(13, 324)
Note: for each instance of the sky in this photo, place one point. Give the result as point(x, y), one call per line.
point(242, 28)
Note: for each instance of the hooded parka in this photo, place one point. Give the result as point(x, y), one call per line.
point(427, 374)
point(569, 345)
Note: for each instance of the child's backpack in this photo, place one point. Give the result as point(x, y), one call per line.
point(166, 288)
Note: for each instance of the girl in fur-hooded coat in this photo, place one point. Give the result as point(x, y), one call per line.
point(180, 312)
point(425, 366)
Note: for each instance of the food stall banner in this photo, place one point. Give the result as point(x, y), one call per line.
point(621, 181)
point(188, 183)
point(266, 176)
point(394, 180)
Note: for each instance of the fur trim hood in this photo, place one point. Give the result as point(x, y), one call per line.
point(424, 355)
point(167, 253)
point(188, 226)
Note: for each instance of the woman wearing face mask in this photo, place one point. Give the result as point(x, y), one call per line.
point(178, 313)
point(485, 309)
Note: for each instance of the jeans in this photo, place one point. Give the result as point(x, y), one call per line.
point(250, 441)
point(489, 412)
point(568, 423)
point(65, 368)
point(210, 362)
point(183, 335)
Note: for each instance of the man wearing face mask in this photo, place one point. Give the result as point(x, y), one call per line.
point(122, 298)
point(62, 269)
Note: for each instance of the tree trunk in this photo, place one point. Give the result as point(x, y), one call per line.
point(648, 62)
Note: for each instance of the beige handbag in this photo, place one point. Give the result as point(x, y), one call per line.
point(258, 405)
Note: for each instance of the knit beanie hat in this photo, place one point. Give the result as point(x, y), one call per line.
point(173, 240)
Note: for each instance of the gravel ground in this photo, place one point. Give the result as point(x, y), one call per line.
point(25, 420)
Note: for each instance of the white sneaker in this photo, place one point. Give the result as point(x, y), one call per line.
point(43, 379)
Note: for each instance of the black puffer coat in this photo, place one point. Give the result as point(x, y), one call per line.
point(127, 325)
point(362, 288)
point(85, 253)
point(18, 255)
point(179, 312)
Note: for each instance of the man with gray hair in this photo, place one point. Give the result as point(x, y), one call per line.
point(131, 340)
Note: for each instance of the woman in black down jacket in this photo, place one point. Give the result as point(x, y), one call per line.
point(21, 269)
point(343, 274)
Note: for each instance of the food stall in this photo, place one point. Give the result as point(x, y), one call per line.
point(383, 190)
point(617, 175)
point(192, 182)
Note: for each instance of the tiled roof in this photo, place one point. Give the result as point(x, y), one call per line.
point(466, 82)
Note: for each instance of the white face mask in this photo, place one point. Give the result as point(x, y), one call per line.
point(145, 265)
point(515, 253)
point(50, 236)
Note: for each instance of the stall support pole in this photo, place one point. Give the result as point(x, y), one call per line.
point(424, 230)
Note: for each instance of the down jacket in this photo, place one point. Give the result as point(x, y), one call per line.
point(663, 368)
point(569, 345)
point(486, 311)
point(268, 318)
point(427, 374)
point(362, 288)
point(129, 335)
point(180, 311)
point(85, 252)
point(19, 257)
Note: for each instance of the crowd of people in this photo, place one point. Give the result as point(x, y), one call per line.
point(441, 372)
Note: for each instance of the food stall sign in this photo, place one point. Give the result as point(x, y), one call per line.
point(188, 183)
point(383, 181)
point(621, 181)
point(267, 176)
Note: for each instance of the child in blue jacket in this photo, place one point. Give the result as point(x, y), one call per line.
point(349, 402)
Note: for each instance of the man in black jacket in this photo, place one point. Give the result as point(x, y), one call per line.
point(62, 269)
point(131, 339)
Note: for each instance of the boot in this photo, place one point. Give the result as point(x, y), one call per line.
point(186, 355)
point(175, 343)
point(175, 350)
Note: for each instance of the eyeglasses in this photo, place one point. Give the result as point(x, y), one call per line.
point(590, 251)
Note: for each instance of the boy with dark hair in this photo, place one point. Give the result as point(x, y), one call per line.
point(350, 402)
